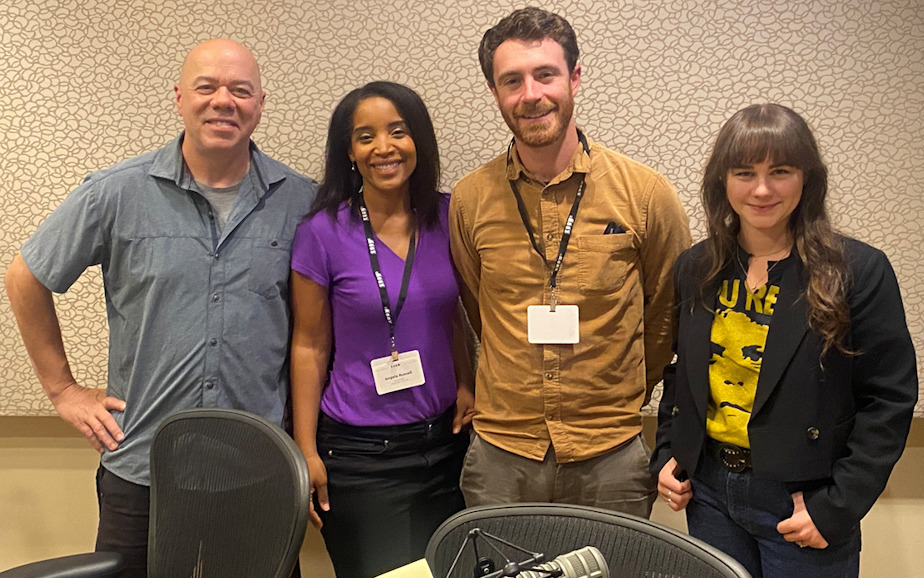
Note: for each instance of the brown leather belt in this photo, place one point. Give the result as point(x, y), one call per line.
point(733, 458)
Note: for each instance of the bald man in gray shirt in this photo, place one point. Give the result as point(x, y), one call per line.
point(194, 245)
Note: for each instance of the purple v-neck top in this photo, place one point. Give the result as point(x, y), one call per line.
point(333, 253)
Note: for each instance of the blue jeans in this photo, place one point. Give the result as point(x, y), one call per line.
point(738, 514)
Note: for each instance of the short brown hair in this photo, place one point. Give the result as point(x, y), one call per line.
point(528, 24)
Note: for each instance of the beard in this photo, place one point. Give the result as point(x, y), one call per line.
point(540, 134)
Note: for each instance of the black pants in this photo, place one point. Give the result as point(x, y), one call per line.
point(123, 522)
point(389, 489)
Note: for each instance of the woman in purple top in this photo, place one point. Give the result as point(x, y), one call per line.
point(381, 377)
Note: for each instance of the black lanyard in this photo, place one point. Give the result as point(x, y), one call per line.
point(569, 224)
point(380, 279)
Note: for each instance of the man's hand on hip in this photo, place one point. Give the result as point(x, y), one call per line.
point(87, 409)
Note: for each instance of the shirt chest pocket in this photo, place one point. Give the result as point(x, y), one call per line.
point(269, 267)
point(603, 262)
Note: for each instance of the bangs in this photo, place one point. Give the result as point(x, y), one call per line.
point(755, 144)
point(761, 132)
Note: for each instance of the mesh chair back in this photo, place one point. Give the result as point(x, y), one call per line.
point(229, 497)
point(633, 547)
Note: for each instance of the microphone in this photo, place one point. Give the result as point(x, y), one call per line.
point(587, 562)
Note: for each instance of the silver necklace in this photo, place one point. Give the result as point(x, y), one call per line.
point(745, 271)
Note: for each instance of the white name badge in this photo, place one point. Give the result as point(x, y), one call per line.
point(547, 326)
point(391, 375)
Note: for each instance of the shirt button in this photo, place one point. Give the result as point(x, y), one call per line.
point(209, 385)
point(550, 417)
point(216, 298)
point(674, 411)
point(548, 375)
point(274, 244)
point(213, 342)
point(549, 237)
point(813, 433)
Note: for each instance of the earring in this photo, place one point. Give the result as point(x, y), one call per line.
point(353, 166)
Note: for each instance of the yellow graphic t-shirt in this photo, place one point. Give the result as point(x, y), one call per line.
point(739, 333)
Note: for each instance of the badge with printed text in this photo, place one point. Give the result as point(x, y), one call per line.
point(545, 326)
point(391, 375)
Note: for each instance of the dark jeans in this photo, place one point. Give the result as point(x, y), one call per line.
point(123, 522)
point(389, 489)
point(738, 514)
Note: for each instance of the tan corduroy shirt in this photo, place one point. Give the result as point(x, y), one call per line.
point(584, 399)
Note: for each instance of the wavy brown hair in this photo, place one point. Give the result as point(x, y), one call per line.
point(770, 131)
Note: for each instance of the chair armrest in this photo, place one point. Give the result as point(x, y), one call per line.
point(92, 565)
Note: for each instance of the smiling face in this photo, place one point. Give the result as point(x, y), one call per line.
point(220, 97)
point(534, 90)
point(382, 147)
point(764, 195)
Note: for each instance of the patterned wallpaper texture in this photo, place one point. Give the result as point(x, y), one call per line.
point(85, 83)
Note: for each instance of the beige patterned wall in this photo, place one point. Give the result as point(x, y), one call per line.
point(85, 83)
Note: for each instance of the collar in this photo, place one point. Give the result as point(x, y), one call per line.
point(169, 164)
point(580, 163)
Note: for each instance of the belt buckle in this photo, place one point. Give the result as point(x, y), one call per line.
point(734, 459)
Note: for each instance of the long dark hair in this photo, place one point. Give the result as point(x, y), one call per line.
point(770, 131)
point(341, 183)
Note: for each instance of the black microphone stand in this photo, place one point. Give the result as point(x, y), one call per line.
point(510, 569)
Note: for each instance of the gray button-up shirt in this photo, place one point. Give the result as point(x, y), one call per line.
point(196, 318)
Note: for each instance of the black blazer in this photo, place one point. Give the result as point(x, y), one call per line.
point(831, 428)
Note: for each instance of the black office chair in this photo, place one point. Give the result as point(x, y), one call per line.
point(229, 497)
point(92, 565)
point(633, 547)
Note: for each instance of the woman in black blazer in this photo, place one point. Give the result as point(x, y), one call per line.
point(795, 380)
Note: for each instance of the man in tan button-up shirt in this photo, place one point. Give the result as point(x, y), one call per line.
point(561, 422)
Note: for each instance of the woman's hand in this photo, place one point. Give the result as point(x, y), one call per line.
point(465, 409)
point(800, 528)
point(677, 494)
point(317, 475)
